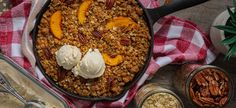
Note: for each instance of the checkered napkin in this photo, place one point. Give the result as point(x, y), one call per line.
point(175, 41)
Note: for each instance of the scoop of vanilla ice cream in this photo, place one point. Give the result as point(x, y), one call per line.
point(68, 56)
point(91, 66)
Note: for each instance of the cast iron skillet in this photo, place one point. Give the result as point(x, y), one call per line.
point(150, 16)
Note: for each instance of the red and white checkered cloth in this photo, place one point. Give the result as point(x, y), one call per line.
point(176, 41)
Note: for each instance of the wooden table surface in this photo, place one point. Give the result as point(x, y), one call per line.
point(203, 15)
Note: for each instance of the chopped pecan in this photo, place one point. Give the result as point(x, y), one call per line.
point(110, 3)
point(97, 34)
point(68, 2)
point(112, 55)
point(61, 73)
point(125, 41)
point(82, 38)
point(48, 53)
point(112, 82)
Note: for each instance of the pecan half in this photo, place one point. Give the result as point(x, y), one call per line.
point(222, 75)
point(216, 76)
point(222, 85)
point(207, 100)
point(209, 78)
point(198, 102)
point(111, 82)
point(223, 101)
point(205, 92)
point(201, 80)
point(214, 88)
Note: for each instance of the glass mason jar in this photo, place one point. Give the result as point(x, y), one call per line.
point(204, 85)
point(153, 96)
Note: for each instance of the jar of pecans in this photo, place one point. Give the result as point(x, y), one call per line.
point(204, 86)
point(154, 96)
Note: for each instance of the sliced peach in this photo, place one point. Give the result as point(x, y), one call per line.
point(55, 24)
point(112, 61)
point(121, 22)
point(82, 11)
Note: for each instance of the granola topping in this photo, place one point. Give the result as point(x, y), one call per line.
point(114, 27)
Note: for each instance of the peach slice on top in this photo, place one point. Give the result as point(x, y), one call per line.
point(82, 11)
point(112, 61)
point(120, 22)
point(55, 24)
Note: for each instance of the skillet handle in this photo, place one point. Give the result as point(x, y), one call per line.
point(174, 5)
